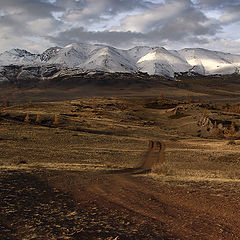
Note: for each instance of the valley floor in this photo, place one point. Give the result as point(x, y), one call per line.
point(79, 178)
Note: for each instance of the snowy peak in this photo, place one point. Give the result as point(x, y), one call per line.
point(152, 60)
point(69, 57)
point(17, 56)
point(73, 55)
point(163, 62)
point(20, 52)
point(211, 62)
point(109, 59)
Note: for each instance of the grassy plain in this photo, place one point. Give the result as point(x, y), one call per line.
point(79, 178)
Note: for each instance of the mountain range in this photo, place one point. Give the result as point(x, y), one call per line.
point(88, 57)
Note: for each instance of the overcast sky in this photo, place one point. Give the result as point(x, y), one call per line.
point(174, 24)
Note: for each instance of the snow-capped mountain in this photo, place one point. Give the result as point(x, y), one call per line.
point(151, 60)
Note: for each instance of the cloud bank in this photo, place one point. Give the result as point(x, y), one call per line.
point(36, 25)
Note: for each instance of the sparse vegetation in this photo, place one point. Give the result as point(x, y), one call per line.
point(217, 132)
point(230, 133)
point(56, 121)
point(205, 113)
point(164, 169)
point(38, 118)
point(26, 119)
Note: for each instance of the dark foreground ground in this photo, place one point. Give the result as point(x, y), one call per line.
point(79, 205)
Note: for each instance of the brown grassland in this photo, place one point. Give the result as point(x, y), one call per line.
point(74, 168)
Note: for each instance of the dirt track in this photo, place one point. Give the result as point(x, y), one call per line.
point(111, 205)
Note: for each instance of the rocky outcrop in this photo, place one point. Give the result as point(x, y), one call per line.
point(49, 53)
point(26, 74)
point(10, 73)
point(206, 121)
point(49, 70)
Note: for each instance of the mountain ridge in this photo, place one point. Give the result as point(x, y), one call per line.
point(151, 60)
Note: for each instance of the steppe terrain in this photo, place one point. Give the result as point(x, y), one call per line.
point(87, 169)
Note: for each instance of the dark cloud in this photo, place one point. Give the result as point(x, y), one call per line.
point(172, 20)
point(229, 9)
point(217, 4)
point(32, 8)
point(118, 39)
point(84, 13)
point(20, 16)
point(24, 21)
point(231, 14)
point(190, 23)
point(113, 38)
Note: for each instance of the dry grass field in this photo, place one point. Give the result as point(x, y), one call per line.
point(77, 172)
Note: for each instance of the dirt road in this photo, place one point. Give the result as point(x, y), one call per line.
point(44, 204)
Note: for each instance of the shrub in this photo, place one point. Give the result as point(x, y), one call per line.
point(55, 122)
point(230, 133)
point(38, 118)
point(26, 119)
